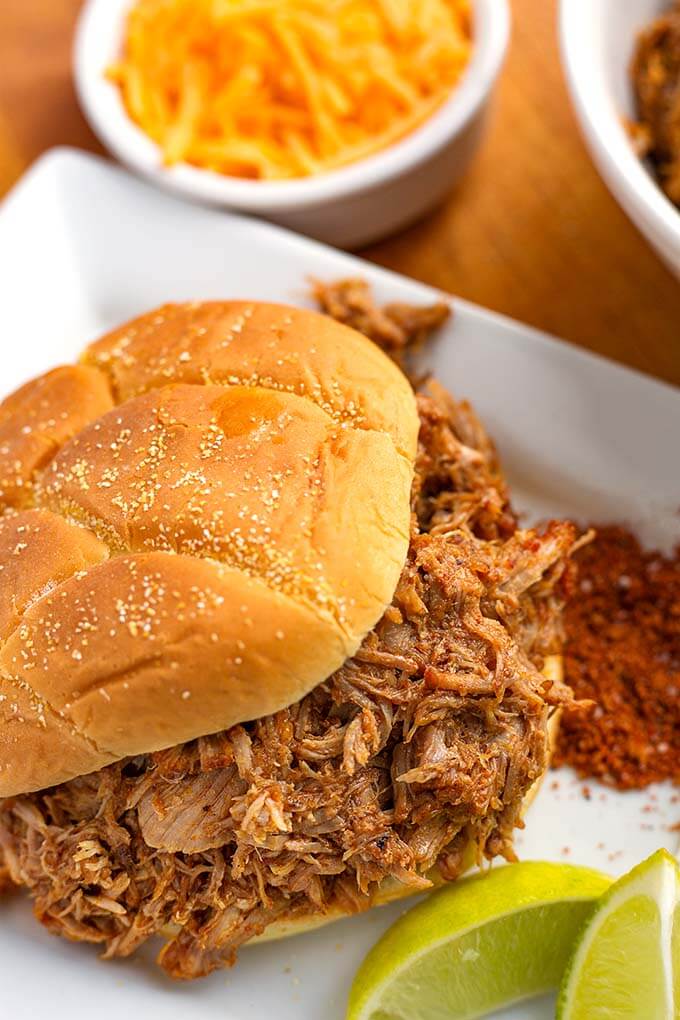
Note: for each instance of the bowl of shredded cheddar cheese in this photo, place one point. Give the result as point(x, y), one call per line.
point(344, 119)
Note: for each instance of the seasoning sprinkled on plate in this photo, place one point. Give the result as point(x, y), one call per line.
point(623, 652)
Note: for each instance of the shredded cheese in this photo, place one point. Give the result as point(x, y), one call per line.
point(272, 89)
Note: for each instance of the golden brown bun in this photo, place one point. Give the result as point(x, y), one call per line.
point(39, 418)
point(258, 344)
point(206, 551)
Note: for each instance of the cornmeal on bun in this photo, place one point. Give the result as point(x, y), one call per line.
point(273, 648)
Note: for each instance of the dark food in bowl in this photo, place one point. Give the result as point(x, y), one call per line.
point(655, 73)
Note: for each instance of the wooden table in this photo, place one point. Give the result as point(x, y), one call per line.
point(531, 232)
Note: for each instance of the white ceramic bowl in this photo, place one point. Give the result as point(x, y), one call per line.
point(598, 39)
point(347, 207)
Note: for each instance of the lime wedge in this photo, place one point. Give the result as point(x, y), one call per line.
point(675, 955)
point(622, 966)
point(478, 944)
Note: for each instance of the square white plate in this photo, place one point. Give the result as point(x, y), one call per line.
point(83, 246)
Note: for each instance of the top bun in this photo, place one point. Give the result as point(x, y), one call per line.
point(201, 522)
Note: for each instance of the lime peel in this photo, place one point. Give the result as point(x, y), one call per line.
point(478, 944)
point(622, 964)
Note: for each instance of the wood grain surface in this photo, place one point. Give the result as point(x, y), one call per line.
point(531, 232)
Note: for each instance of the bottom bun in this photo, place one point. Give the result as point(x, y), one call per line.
point(390, 889)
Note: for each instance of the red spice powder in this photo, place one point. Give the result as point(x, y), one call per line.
point(623, 652)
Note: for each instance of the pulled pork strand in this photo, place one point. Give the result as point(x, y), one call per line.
point(423, 744)
point(397, 328)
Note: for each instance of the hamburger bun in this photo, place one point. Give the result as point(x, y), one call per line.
point(200, 523)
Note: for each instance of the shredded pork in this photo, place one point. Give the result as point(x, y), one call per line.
point(655, 74)
point(396, 327)
point(423, 744)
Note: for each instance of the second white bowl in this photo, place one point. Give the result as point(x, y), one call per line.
point(598, 39)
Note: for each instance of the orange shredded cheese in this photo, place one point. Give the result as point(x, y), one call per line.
point(272, 89)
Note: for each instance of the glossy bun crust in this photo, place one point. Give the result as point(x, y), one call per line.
point(200, 523)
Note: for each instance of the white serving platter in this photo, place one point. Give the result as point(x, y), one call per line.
point(83, 246)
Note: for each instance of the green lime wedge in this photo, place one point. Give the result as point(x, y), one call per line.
point(622, 966)
point(675, 954)
point(478, 944)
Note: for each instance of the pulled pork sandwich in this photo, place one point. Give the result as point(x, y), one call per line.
point(273, 647)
